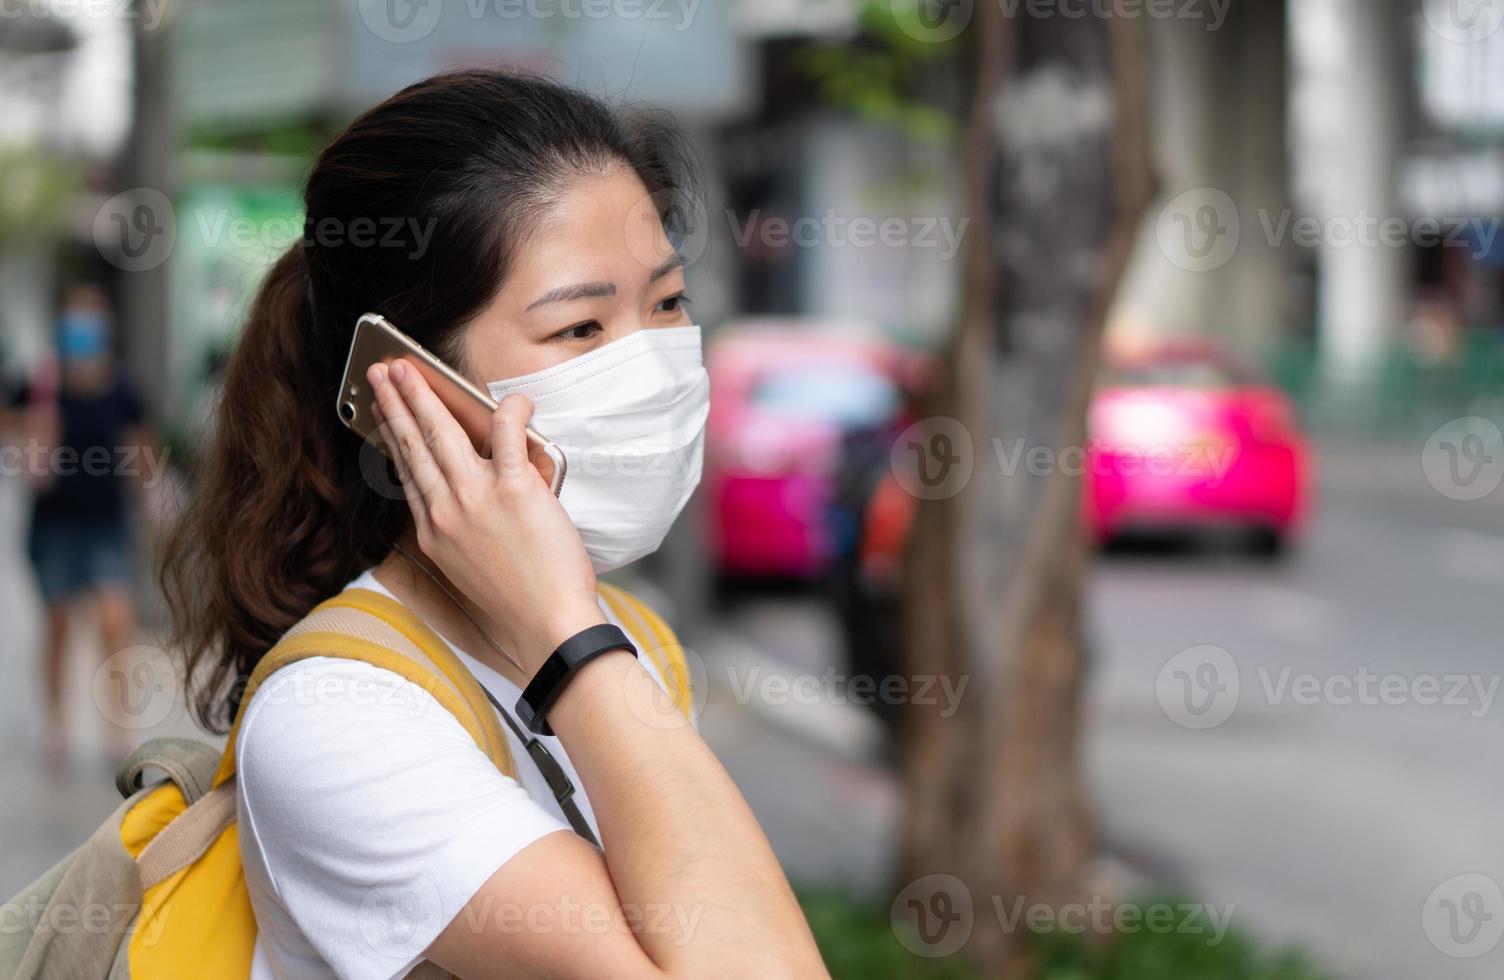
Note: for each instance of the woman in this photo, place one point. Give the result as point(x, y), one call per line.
point(499, 220)
point(86, 410)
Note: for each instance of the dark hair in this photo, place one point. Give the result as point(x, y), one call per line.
point(415, 211)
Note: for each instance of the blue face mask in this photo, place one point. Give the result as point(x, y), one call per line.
point(82, 335)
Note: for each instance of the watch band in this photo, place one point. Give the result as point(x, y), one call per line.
point(551, 679)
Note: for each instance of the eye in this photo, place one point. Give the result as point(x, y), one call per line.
point(673, 304)
point(580, 331)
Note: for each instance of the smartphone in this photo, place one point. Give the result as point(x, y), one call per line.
point(377, 341)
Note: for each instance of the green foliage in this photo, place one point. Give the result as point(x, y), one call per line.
point(858, 944)
point(299, 138)
point(890, 78)
point(1146, 955)
point(36, 196)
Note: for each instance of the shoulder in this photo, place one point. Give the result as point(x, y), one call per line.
point(352, 777)
point(329, 693)
point(324, 714)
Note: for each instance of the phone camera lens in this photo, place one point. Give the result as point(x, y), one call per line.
point(347, 411)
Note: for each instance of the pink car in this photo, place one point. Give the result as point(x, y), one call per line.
point(790, 402)
point(1184, 437)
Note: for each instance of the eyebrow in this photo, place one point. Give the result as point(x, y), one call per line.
point(595, 290)
point(675, 261)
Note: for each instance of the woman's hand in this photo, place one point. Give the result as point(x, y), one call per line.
point(491, 525)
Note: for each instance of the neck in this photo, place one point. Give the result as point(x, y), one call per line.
point(435, 602)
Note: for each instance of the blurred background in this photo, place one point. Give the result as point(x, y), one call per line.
point(1252, 732)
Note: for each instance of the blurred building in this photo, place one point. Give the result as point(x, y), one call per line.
point(257, 86)
point(1454, 166)
point(811, 187)
point(63, 114)
point(1332, 185)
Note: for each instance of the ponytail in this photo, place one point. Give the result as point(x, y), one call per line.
point(266, 535)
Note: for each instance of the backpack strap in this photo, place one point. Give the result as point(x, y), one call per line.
point(656, 640)
point(188, 763)
point(362, 625)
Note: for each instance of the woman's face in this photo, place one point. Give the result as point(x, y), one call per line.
point(598, 267)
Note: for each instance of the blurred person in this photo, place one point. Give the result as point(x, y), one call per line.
point(81, 419)
point(533, 248)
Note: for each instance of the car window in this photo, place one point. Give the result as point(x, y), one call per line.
point(845, 394)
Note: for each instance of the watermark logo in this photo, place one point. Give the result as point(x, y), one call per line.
point(136, 688)
point(933, 916)
point(933, 459)
point(933, 21)
point(1465, 21)
point(34, 917)
point(1209, 460)
point(832, 686)
point(1199, 230)
point(38, 459)
point(571, 918)
point(136, 230)
point(397, 910)
point(1212, 13)
point(670, 213)
point(1368, 229)
point(1201, 687)
point(1198, 688)
point(687, 678)
point(1464, 916)
point(152, 14)
point(777, 233)
point(679, 13)
point(1464, 459)
point(401, 21)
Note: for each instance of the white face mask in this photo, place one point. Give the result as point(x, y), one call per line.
point(630, 418)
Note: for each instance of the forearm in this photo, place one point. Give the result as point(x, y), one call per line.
point(677, 832)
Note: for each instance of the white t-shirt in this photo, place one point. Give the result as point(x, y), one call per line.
point(368, 817)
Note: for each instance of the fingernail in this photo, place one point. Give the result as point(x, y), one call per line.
point(399, 371)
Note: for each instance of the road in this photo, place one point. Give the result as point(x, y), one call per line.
point(1334, 807)
point(1357, 830)
point(1327, 817)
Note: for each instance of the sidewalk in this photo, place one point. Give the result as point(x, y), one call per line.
point(831, 813)
point(43, 817)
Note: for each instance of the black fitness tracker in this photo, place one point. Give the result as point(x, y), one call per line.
point(549, 682)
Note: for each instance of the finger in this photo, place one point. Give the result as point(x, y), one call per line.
point(404, 438)
point(446, 439)
point(416, 502)
point(509, 435)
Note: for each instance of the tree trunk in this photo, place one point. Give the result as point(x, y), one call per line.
point(1057, 181)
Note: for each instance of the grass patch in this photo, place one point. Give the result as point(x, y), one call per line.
point(858, 944)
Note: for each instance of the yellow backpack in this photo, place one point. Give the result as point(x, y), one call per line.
point(158, 891)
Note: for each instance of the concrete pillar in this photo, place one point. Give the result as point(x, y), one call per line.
point(1251, 148)
point(1205, 262)
point(1364, 287)
point(144, 324)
